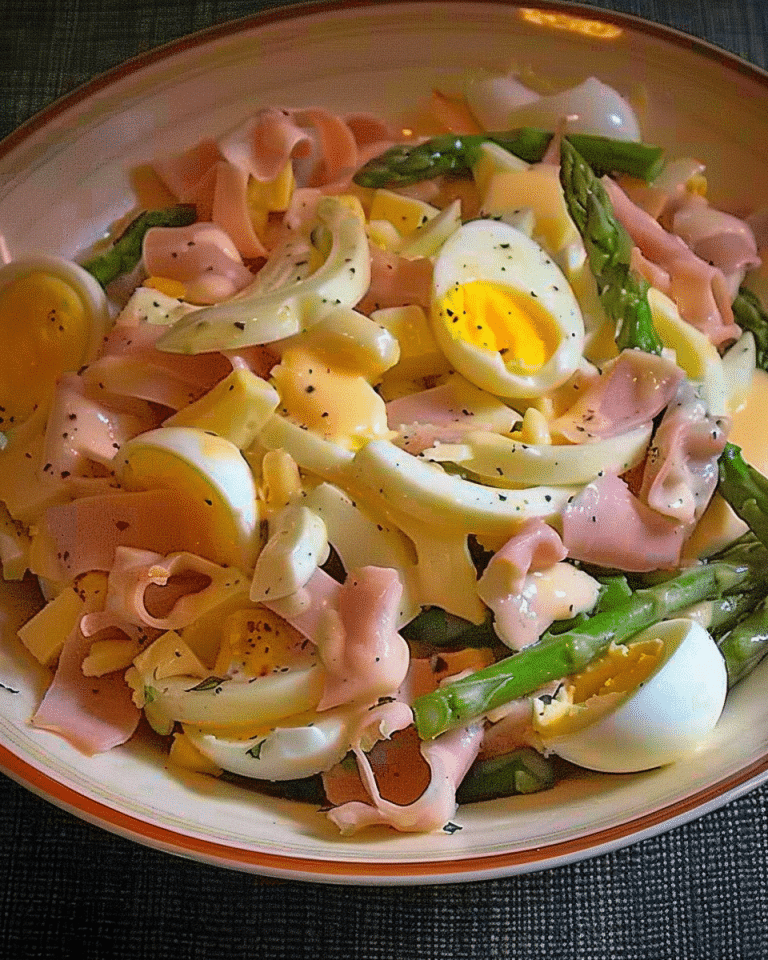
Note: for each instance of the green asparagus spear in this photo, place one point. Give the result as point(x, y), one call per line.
point(746, 644)
point(742, 568)
point(727, 612)
point(457, 153)
point(745, 489)
point(521, 771)
point(623, 294)
point(748, 312)
point(613, 591)
point(437, 628)
point(125, 252)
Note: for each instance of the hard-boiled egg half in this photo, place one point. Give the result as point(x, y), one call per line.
point(640, 705)
point(53, 316)
point(502, 311)
point(212, 471)
point(256, 715)
point(300, 747)
point(265, 672)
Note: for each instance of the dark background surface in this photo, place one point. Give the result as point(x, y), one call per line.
point(69, 889)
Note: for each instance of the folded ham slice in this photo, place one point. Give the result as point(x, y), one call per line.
point(517, 620)
point(721, 239)
point(131, 366)
point(681, 470)
point(147, 589)
point(364, 656)
point(203, 257)
point(93, 713)
point(397, 281)
point(83, 535)
point(448, 759)
point(610, 527)
point(631, 391)
point(699, 289)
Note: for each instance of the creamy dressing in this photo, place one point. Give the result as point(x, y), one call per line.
point(560, 592)
point(335, 403)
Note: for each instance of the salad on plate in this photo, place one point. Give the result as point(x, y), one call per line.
point(396, 468)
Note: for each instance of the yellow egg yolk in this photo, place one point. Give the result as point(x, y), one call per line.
point(257, 642)
point(45, 330)
point(497, 318)
point(595, 689)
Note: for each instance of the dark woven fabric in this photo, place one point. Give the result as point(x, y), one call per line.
point(68, 889)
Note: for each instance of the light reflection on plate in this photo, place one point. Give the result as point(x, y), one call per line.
point(65, 177)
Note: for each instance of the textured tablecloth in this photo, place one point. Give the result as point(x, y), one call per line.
point(70, 889)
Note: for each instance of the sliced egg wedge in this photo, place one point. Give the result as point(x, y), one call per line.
point(427, 240)
point(287, 295)
point(502, 460)
point(297, 546)
point(350, 341)
point(503, 312)
point(53, 318)
point(265, 671)
point(209, 468)
point(694, 351)
point(361, 537)
point(311, 452)
point(301, 746)
point(640, 705)
point(420, 489)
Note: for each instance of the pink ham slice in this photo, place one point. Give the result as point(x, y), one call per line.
point(131, 366)
point(719, 238)
point(363, 654)
point(681, 470)
point(81, 431)
point(517, 620)
point(607, 525)
point(436, 406)
point(94, 713)
point(397, 281)
point(203, 257)
point(146, 589)
point(77, 537)
point(230, 210)
point(189, 175)
point(447, 758)
point(325, 148)
point(632, 390)
point(699, 289)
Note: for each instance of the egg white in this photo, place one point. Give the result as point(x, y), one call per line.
point(495, 252)
point(191, 458)
point(665, 717)
point(313, 745)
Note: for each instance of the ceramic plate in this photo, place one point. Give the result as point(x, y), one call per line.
point(65, 177)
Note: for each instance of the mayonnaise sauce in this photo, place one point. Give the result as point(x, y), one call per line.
point(561, 591)
point(335, 403)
